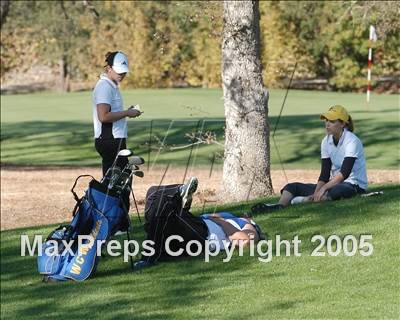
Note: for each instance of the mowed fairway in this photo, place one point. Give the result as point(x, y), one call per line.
point(293, 287)
point(56, 129)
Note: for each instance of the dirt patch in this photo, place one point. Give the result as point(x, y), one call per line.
point(32, 196)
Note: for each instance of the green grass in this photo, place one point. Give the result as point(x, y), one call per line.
point(56, 129)
point(292, 287)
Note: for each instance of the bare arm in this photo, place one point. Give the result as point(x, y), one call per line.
point(245, 236)
point(317, 193)
point(228, 228)
point(106, 116)
point(233, 233)
point(320, 184)
point(345, 171)
point(326, 165)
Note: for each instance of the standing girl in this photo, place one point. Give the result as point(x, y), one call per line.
point(109, 116)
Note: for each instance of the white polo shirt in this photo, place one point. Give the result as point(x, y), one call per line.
point(217, 234)
point(106, 91)
point(349, 146)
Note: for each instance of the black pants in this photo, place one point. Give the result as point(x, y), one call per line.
point(341, 190)
point(164, 217)
point(108, 149)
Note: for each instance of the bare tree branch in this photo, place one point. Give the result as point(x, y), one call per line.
point(90, 6)
point(205, 138)
point(63, 9)
point(186, 146)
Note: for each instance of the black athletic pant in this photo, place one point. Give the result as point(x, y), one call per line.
point(108, 149)
point(340, 191)
point(164, 217)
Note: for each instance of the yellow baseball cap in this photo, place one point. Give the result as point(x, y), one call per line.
point(336, 113)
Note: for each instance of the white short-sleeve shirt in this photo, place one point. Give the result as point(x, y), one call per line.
point(106, 91)
point(349, 146)
point(217, 234)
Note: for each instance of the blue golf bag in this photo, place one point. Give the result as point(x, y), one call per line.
point(73, 251)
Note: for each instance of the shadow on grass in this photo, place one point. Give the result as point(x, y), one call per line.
point(116, 292)
point(328, 218)
point(367, 112)
point(71, 143)
point(166, 290)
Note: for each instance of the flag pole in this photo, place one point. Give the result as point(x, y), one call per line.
point(372, 37)
point(369, 72)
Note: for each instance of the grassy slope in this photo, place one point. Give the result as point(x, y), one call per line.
point(288, 287)
point(56, 129)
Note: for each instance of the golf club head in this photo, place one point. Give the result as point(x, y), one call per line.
point(113, 176)
point(123, 180)
point(134, 168)
point(139, 174)
point(124, 153)
point(136, 161)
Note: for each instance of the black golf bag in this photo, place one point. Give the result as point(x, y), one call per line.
point(164, 217)
point(73, 251)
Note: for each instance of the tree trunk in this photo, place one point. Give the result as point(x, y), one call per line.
point(64, 75)
point(246, 172)
point(4, 6)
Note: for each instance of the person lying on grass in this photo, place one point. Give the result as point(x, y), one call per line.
point(168, 222)
point(343, 167)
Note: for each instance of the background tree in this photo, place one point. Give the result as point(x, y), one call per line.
point(246, 171)
point(48, 33)
point(63, 40)
point(281, 48)
point(329, 39)
point(177, 43)
point(4, 7)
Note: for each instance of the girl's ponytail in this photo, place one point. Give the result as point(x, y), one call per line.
point(110, 58)
point(350, 124)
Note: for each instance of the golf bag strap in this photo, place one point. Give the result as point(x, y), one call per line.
point(77, 204)
point(73, 187)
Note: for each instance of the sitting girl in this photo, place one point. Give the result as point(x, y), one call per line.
point(343, 168)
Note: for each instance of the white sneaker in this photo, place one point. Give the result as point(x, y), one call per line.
point(297, 200)
point(187, 190)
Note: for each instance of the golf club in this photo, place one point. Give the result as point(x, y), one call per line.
point(121, 153)
point(125, 176)
point(139, 174)
point(133, 164)
point(124, 180)
point(115, 173)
